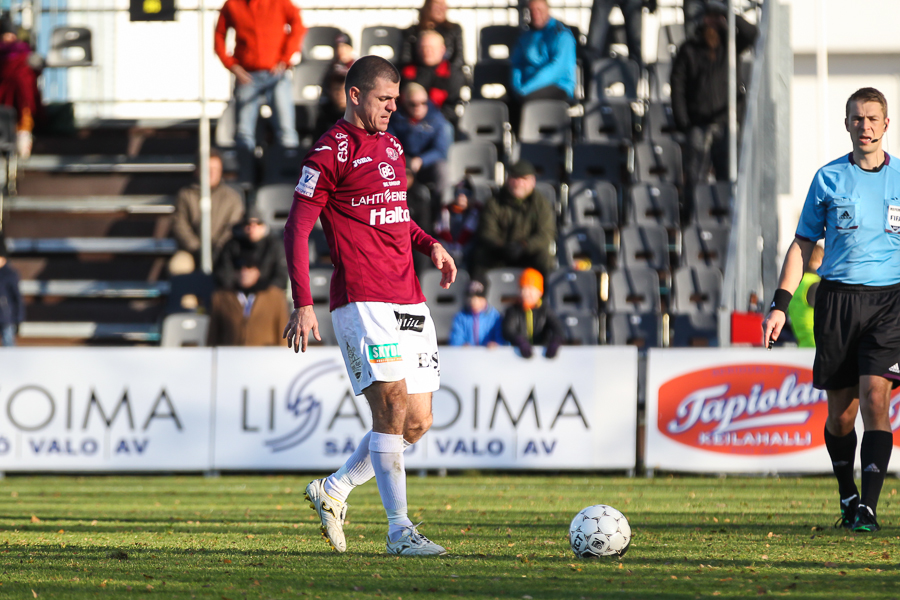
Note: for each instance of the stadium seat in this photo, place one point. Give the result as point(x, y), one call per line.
point(320, 289)
point(594, 202)
point(634, 290)
point(318, 44)
point(274, 203)
point(184, 329)
point(696, 290)
point(548, 191)
point(582, 243)
point(496, 42)
point(385, 41)
point(654, 204)
point(644, 245)
point(574, 292)
point(659, 160)
point(581, 329)
point(306, 82)
point(282, 165)
point(546, 121)
point(197, 284)
point(670, 39)
point(607, 121)
point(660, 88)
point(712, 203)
point(660, 122)
point(598, 160)
point(614, 78)
point(444, 304)
point(491, 80)
point(476, 159)
point(697, 329)
point(503, 287)
point(705, 246)
point(546, 158)
point(63, 40)
point(633, 329)
point(487, 121)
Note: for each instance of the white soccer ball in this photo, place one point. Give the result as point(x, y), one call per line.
point(599, 530)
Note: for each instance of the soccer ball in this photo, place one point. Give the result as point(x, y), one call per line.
point(599, 530)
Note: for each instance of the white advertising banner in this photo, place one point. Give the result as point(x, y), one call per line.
point(735, 411)
point(280, 410)
point(122, 409)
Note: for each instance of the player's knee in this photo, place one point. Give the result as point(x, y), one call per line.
point(842, 424)
point(415, 429)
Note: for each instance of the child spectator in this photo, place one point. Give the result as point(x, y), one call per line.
point(458, 223)
point(479, 324)
point(12, 309)
point(530, 321)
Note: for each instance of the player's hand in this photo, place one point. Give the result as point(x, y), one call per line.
point(772, 326)
point(302, 322)
point(414, 164)
point(278, 69)
point(241, 74)
point(443, 261)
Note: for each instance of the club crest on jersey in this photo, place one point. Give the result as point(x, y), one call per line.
point(386, 171)
point(392, 154)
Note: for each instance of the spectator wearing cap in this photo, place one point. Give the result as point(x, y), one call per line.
point(12, 308)
point(267, 35)
point(255, 242)
point(227, 211)
point(458, 222)
point(18, 84)
point(479, 323)
point(251, 314)
point(530, 322)
point(433, 71)
point(517, 226)
point(426, 137)
point(433, 16)
point(699, 84)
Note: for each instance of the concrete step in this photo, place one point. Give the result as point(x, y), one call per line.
point(101, 163)
point(128, 332)
point(156, 204)
point(80, 245)
point(86, 288)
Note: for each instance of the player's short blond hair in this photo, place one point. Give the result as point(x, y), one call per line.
point(867, 94)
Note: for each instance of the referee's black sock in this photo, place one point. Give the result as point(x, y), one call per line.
point(842, 451)
point(874, 456)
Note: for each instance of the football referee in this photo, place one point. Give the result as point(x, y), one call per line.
point(854, 203)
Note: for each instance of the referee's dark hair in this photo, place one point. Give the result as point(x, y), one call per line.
point(366, 70)
point(867, 94)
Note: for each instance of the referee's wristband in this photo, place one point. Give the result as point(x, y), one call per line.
point(781, 300)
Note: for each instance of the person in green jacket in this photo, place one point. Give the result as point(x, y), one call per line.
point(517, 227)
point(801, 308)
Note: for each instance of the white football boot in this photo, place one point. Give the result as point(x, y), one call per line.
point(331, 512)
point(413, 543)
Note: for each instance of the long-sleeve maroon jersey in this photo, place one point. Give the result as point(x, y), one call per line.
point(357, 181)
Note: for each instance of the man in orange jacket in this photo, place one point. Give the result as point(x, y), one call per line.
point(262, 52)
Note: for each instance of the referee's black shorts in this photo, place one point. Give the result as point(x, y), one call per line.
point(857, 329)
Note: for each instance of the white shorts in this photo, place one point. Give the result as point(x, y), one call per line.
point(381, 341)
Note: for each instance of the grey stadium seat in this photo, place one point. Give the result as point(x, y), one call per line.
point(184, 329)
point(581, 329)
point(598, 160)
point(696, 290)
point(574, 292)
point(644, 245)
point(489, 77)
point(486, 121)
point(546, 158)
point(705, 246)
point(546, 121)
point(548, 191)
point(385, 41)
point(614, 78)
point(444, 304)
point(633, 329)
point(274, 203)
point(698, 329)
point(594, 202)
point(503, 287)
point(634, 290)
point(476, 159)
point(654, 204)
point(585, 242)
point(712, 203)
point(496, 42)
point(659, 160)
point(607, 121)
point(320, 289)
point(318, 44)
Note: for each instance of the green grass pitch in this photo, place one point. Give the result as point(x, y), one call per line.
point(238, 537)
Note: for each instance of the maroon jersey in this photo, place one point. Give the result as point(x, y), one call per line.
point(357, 181)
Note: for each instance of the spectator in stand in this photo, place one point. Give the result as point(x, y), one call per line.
point(267, 34)
point(18, 84)
point(700, 92)
point(426, 137)
point(479, 323)
point(344, 56)
point(227, 211)
point(435, 73)
point(12, 308)
point(252, 241)
point(632, 12)
point(332, 103)
point(543, 60)
point(530, 322)
point(433, 17)
point(251, 314)
point(458, 223)
point(517, 226)
point(801, 307)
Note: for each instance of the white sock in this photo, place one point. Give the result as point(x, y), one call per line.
point(353, 473)
point(386, 454)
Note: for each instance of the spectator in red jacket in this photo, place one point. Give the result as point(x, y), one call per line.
point(434, 72)
point(18, 84)
point(267, 34)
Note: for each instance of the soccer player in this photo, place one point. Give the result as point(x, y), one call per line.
point(355, 176)
point(854, 203)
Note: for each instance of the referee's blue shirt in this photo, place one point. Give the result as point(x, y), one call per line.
point(858, 214)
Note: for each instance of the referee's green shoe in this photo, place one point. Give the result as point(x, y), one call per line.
point(865, 520)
